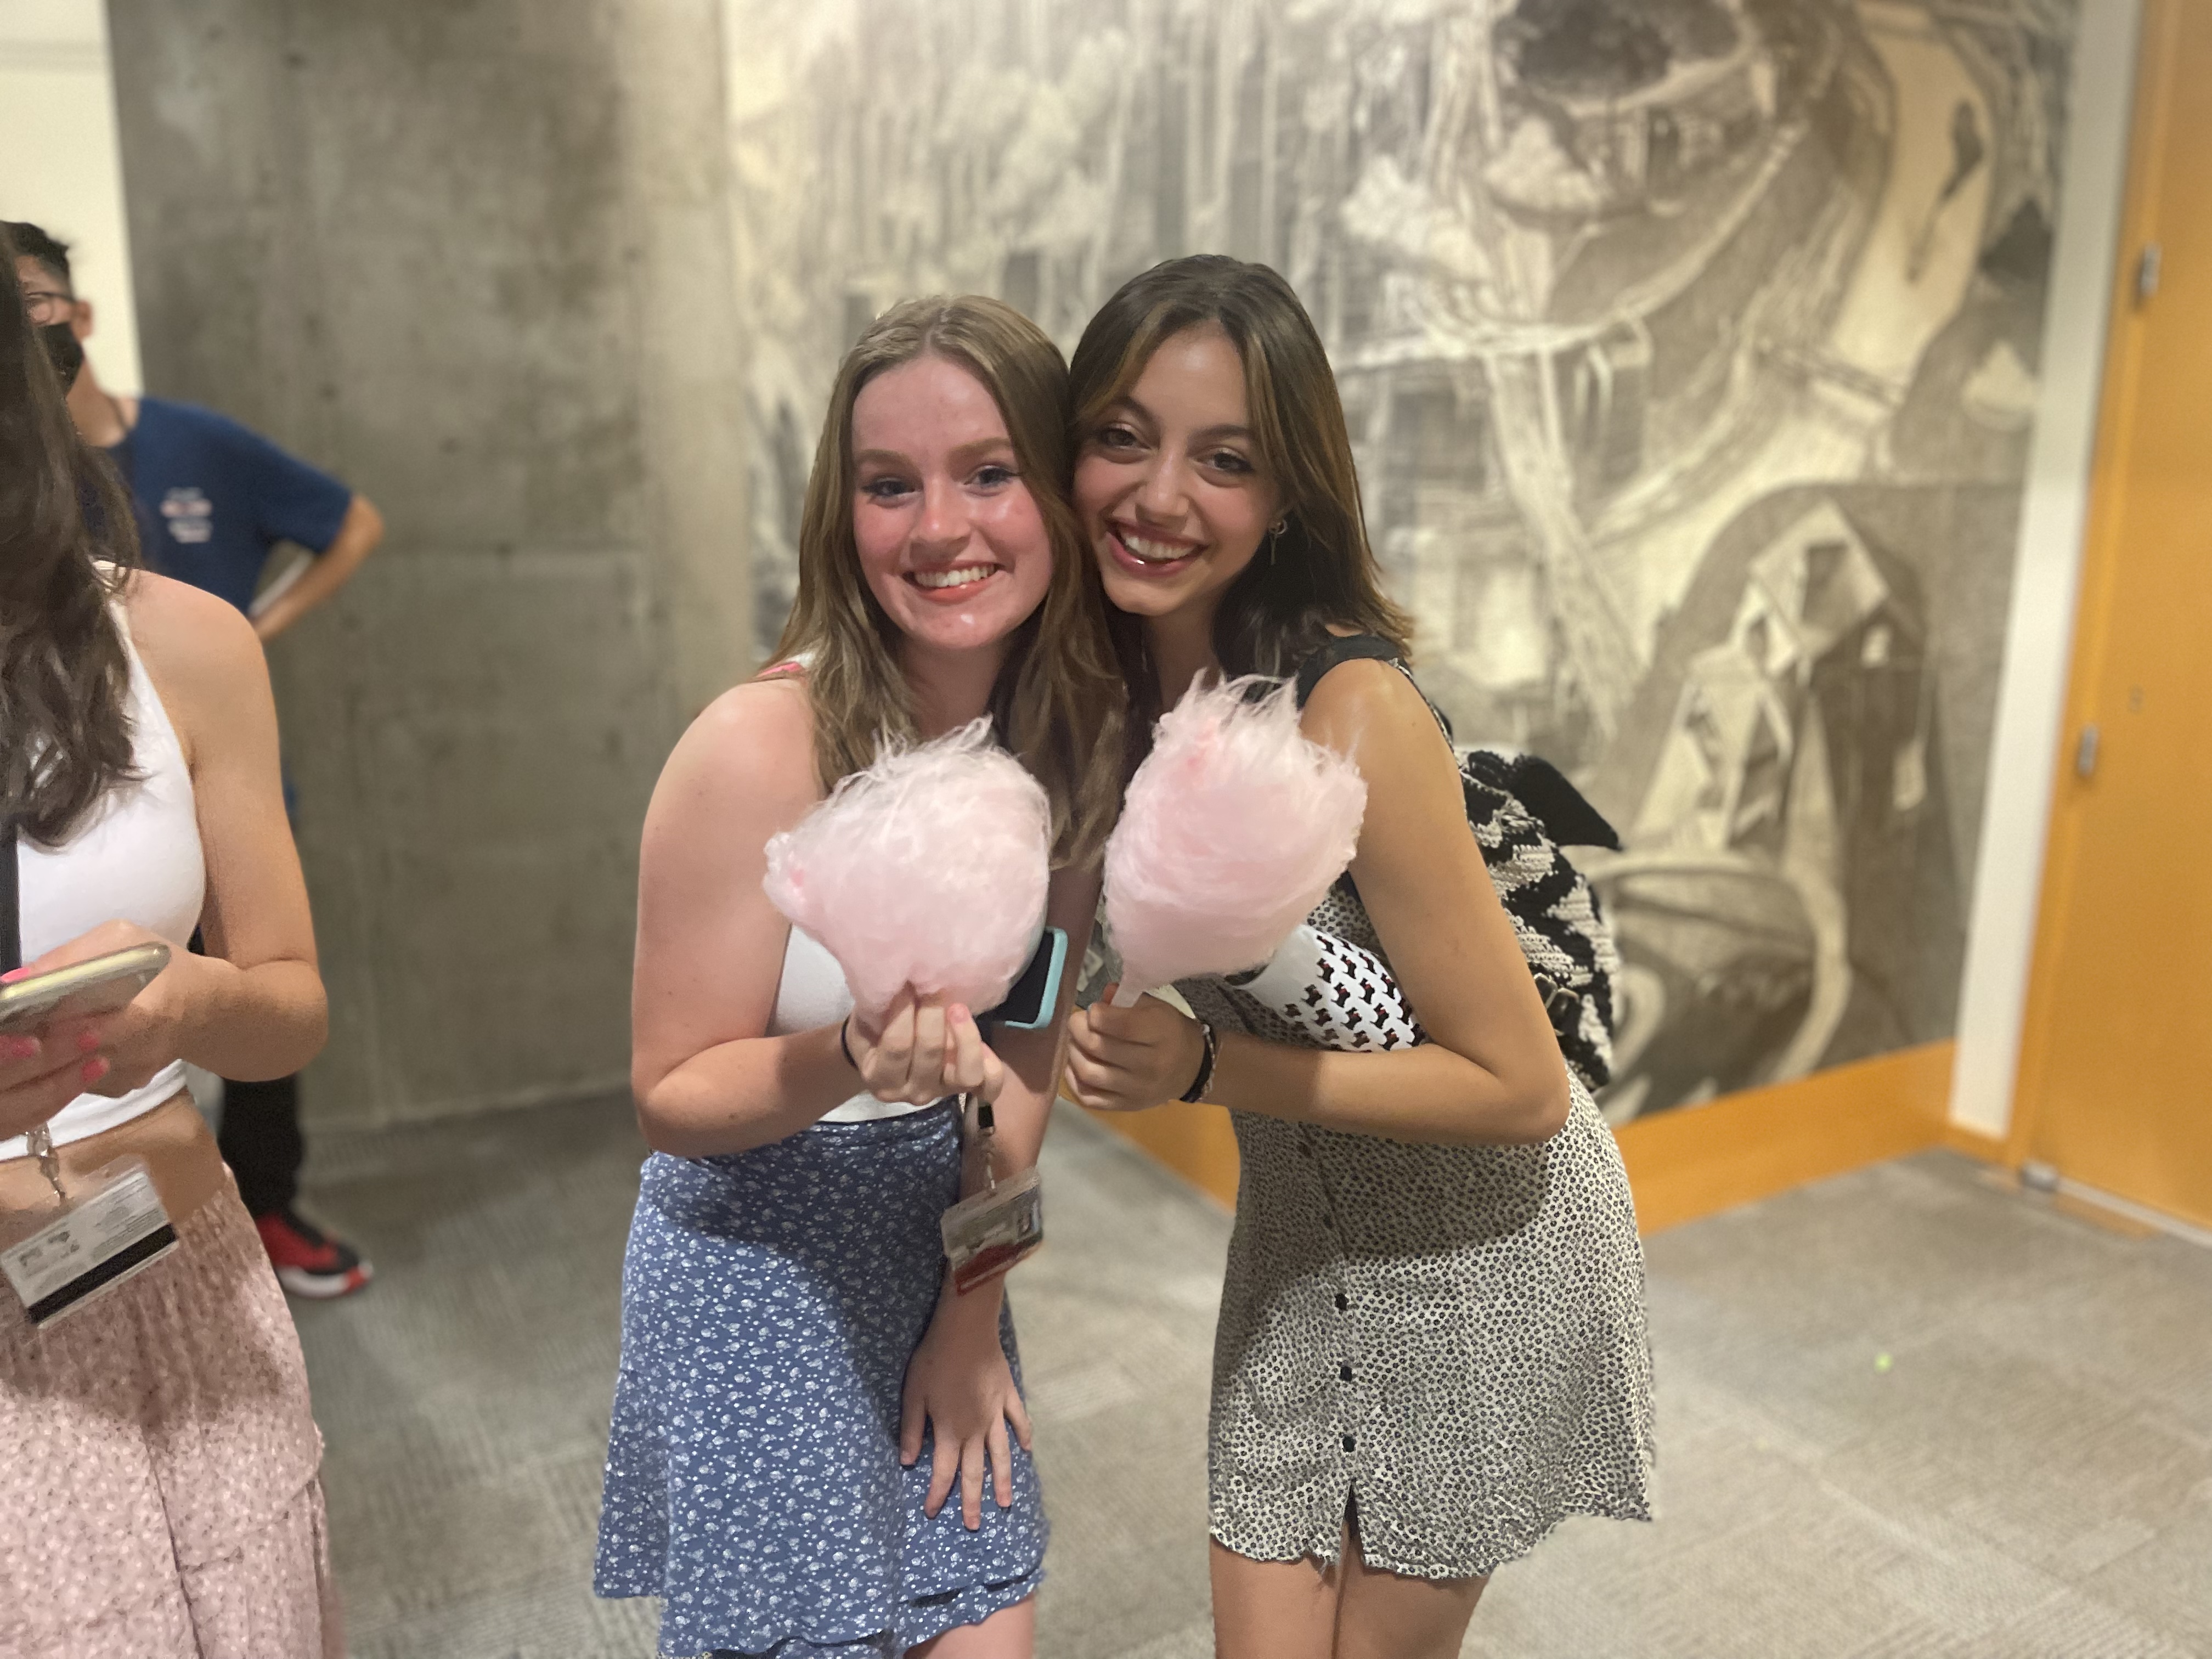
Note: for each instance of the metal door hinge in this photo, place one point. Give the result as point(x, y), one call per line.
point(2148, 265)
point(2085, 751)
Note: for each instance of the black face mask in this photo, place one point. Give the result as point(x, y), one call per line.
point(64, 350)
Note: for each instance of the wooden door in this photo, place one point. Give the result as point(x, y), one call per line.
point(2116, 1076)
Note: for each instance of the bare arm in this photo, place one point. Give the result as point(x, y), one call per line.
point(1492, 1071)
point(358, 534)
point(253, 1007)
point(958, 1379)
point(1023, 1109)
point(1032, 1059)
point(705, 1076)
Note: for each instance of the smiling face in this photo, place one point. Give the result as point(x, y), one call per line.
point(950, 540)
point(1170, 485)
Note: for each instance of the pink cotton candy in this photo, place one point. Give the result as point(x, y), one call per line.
point(1233, 828)
point(928, 869)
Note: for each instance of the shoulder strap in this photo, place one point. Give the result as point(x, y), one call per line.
point(11, 921)
point(1352, 647)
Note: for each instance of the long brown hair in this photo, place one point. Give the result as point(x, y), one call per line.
point(1058, 703)
point(1320, 570)
point(67, 541)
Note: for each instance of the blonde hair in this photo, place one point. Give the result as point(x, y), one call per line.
point(1058, 704)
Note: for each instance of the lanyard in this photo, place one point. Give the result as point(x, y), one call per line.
point(11, 918)
point(986, 1122)
point(39, 1140)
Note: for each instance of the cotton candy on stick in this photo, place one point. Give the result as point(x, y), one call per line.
point(1232, 829)
point(927, 869)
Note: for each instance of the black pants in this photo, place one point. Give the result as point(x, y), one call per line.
point(260, 1140)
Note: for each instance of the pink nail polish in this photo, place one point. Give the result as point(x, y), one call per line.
point(87, 1042)
point(94, 1071)
point(22, 1048)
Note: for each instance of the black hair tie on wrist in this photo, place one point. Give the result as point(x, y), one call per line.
point(1204, 1080)
point(845, 1046)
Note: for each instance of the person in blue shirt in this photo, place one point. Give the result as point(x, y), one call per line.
point(213, 500)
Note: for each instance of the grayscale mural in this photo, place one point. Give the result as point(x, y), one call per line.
point(1690, 347)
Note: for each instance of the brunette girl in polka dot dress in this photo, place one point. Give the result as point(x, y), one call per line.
point(1432, 1345)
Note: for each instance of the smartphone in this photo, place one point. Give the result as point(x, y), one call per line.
point(1034, 997)
point(98, 987)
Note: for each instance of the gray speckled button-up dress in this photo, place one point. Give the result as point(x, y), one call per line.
point(1451, 1339)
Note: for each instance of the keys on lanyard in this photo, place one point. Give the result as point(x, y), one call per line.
point(40, 1140)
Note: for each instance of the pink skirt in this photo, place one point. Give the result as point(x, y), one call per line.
point(159, 1486)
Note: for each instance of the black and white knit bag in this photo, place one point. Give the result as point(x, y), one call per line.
point(1522, 811)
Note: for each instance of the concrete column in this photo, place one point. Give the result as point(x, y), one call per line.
point(690, 357)
point(460, 256)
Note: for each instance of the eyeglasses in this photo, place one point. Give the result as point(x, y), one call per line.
point(43, 305)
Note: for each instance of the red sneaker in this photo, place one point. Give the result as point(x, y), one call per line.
point(308, 1261)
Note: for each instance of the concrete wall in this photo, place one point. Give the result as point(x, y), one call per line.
point(453, 253)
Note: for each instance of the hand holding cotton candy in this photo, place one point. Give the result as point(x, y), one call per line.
point(1232, 829)
point(926, 870)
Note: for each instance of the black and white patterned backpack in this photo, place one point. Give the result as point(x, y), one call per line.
point(1522, 810)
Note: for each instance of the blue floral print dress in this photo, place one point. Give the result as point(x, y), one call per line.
point(771, 1301)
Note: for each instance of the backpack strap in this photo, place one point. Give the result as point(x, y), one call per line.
point(1352, 647)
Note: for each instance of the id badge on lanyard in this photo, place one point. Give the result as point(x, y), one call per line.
point(106, 1229)
point(986, 1235)
point(109, 1227)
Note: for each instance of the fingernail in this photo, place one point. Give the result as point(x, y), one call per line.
point(94, 1070)
point(87, 1042)
point(12, 974)
point(22, 1048)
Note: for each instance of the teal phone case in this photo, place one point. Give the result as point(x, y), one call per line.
point(1051, 950)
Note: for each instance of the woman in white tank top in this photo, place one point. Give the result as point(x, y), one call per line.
point(159, 1497)
point(800, 1390)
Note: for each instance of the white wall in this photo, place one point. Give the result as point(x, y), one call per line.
point(58, 133)
point(2039, 633)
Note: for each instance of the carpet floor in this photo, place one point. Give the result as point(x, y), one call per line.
point(1907, 1413)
